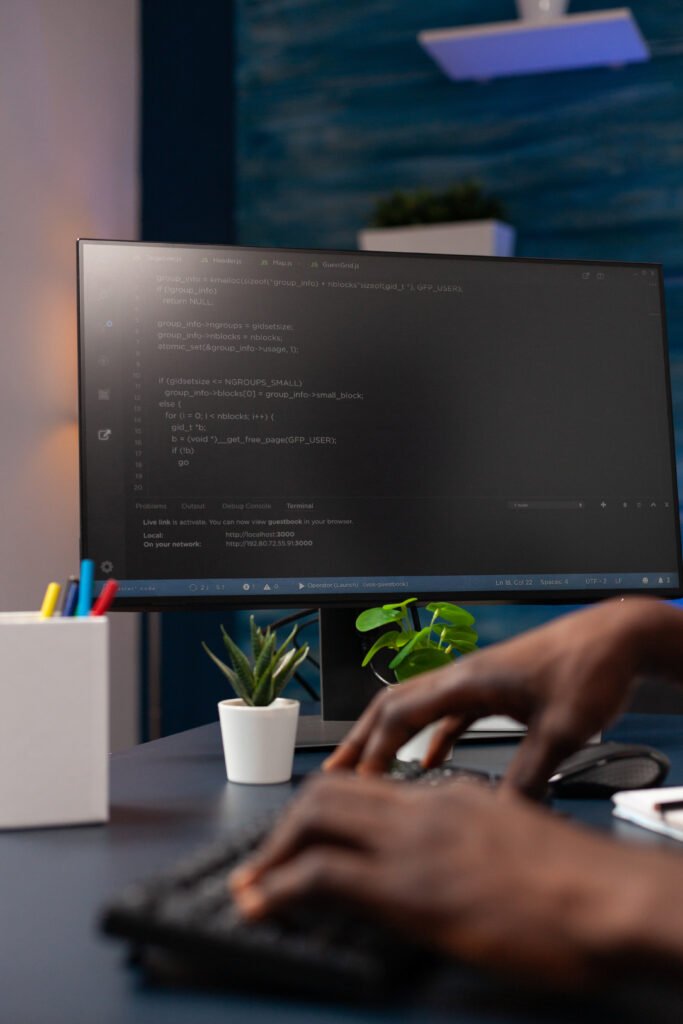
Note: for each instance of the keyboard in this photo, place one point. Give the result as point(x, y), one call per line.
point(412, 771)
point(182, 926)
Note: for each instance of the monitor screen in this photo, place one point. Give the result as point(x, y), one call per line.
point(289, 427)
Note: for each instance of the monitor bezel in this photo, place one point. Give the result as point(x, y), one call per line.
point(261, 602)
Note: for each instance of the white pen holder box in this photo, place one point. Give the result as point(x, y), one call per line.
point(54, 720)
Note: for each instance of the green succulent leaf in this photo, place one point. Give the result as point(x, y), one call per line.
point(253, 637)
point(231, 676)
point(422, 660)
point(240, 662)
point(286, 668)
point(262, 689)
point(283, 646)
point(265, 657)
point(284, 662)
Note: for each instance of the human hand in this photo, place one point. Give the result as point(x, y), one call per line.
point(565, 681)
point(486, 877)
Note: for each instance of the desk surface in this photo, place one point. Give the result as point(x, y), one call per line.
point(168, 796)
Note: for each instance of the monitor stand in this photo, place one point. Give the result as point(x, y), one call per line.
point(346, 689)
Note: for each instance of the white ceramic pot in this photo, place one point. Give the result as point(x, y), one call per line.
point(258, 743)
point(541, 10)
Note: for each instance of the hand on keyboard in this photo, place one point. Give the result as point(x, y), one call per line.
point(185, 921)
point(482, 875)
point(183, 926)
point(361, 876)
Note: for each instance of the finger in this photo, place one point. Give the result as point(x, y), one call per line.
point(342, 875)
point(449, 731)
point(350, 812)
point(435, 696)
point(548, 741)
point(349, 751)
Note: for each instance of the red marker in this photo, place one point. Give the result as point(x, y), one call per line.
point(106, 598)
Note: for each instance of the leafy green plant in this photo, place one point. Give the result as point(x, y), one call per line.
point(463, 201)
point(260, 680)
point(449, 633)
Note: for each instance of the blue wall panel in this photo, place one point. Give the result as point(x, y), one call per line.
point(337, 105)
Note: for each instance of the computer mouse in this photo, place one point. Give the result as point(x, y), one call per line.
point(601, 769)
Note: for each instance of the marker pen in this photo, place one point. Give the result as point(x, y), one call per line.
point(50, 600)
point(69, 606)
point(104, 601)
point(85, 587)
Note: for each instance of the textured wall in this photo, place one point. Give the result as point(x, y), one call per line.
point(337, 105)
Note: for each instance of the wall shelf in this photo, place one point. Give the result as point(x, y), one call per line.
point(522, 47)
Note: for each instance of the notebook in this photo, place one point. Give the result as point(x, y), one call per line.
point(648, 808)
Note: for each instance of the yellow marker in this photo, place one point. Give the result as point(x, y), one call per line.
point(50, 600)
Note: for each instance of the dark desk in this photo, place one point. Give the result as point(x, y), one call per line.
point(167, 797)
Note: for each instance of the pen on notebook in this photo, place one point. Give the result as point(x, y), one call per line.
point(70, 599)
point(668, 805)
point(85, 587)
point(50, 600)
point(104, 601)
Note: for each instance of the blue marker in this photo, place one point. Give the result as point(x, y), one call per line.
point(85, 587)
point(71, 598)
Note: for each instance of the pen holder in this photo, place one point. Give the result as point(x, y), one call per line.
point(54, 728)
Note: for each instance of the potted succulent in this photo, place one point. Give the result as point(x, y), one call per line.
point(258, 726)
point(462, 219)
point(449, 633)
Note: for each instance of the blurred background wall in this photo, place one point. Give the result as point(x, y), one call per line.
point(69, 102)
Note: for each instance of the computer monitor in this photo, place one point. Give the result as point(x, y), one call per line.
point(269, 428)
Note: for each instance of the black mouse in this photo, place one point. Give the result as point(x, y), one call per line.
point(601, 769)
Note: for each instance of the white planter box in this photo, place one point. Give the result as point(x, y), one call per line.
point(54, 730)
point(462, 238)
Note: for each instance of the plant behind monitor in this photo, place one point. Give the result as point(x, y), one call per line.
point(463, 201)
point(449, 634)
